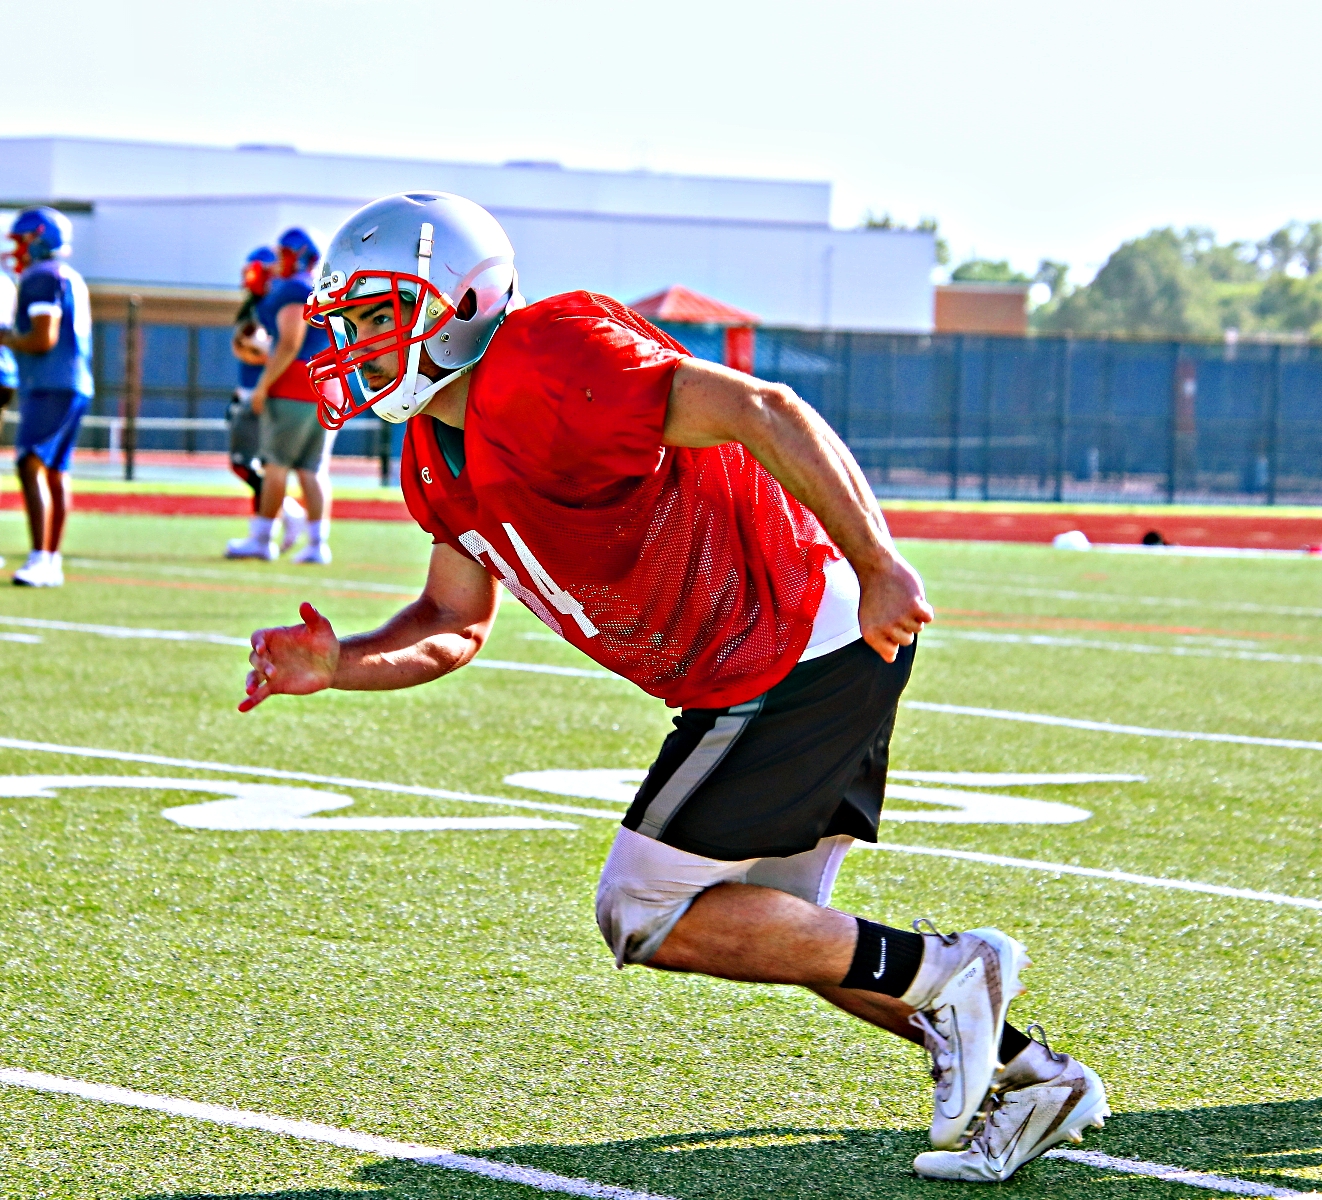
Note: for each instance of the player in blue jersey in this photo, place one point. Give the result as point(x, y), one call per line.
point(8, 367)
point(292, 439)
point(52, 343)
point(251, 347)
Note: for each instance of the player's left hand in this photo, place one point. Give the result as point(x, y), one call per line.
point(292, 660)
point(892, 608)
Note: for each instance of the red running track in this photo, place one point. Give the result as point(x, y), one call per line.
point(1265, 532)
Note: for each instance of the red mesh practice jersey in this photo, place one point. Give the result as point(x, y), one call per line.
point(690, 572)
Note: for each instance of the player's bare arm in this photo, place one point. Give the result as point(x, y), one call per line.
point(42, 338)
point(291, 331)
point(438, 633)
point(711, 404)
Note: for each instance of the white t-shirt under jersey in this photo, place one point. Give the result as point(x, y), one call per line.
point(836, 623)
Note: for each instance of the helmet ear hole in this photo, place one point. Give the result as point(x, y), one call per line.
point(467, 309)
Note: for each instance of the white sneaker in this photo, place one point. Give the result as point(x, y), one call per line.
point(251, 547)
point(314, 552)
point(295, 521)
point(36, 571)
point(962, 991)
point(55, 569)
point(1023, 1122)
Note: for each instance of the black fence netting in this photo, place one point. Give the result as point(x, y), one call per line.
point(938, 416)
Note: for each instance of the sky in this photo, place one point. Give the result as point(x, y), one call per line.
point(1029, 130)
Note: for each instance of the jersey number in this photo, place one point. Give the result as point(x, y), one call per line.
point(563, 602)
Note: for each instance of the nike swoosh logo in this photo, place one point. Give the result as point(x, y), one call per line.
point(881, 966)
point(999, 1160)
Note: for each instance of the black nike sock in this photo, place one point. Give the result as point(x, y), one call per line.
point(885, 959)
point(1012, 1043)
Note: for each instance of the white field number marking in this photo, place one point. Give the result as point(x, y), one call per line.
point(952, 806)
point(252, 806)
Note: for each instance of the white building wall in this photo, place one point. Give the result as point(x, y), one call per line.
point(162, 215)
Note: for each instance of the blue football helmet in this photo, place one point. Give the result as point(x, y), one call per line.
point(298, 251)
point(39, 233)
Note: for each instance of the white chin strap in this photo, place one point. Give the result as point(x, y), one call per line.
point(405, 401)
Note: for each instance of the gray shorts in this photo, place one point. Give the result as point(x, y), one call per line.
point(291, 435)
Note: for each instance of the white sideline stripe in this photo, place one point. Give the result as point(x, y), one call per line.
point(1041, 639)
point(406, 789)
point(999, 714)
point(546, 1181)
point(1282, 610)
point(220, 639)
point(362, 585)
point(124, 631)
point(1198, 1179)
point(311, 1131)
point(1032, 864)
point(28, 639)
point(540, 668)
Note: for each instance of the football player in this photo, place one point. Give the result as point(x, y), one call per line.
point(291, 438)
point(251, 345)
point(8, 367)
point(52, 343)
point(707, 536)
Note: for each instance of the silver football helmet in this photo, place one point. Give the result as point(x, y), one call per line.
point(406, 274)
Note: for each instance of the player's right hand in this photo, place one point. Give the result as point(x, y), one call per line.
point(292, 660)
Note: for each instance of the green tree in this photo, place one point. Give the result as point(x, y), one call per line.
point(925, 225)
point(983, 270)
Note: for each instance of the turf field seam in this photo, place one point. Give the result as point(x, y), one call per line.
point(311, 1131)
point(406, 789)
point(1000, 714)
point(1039, 639)
point(1198, 1179)
point(546, 1181)
point(1032, 864)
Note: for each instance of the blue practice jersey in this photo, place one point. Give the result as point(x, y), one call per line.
point(294, 290)
point(56, 288)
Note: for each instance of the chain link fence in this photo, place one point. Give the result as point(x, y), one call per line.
point(940, 416)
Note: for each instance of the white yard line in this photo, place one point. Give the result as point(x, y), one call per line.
point(940, 636)
point(126, 631)
point(546, 1181)
point(1280, 610)
point(1198, 1179)
point(221, 639)
point(999, 714)
point(1157, 881)
point(159, 760)
point(259, 575)
point(27, 639)
point(311, 1131)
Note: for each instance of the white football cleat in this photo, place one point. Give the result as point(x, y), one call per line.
point(1021, 1123)
point(251, 547)
point(55, 569)
point(314, 552)
point(295, 521)
point(36, 572)
point(962, 990)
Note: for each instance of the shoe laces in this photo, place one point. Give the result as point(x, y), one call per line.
point(948, 938)
point(937, 1045)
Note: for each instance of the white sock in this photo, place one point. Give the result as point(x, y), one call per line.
point(319, 531)
point(292, 510)
point(55, 558)
point(259, 529)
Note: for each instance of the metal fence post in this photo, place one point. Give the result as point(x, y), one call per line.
point(1062, 415)
point(956, 397)
point(190, 395)
point(987, 360)
point(1273, 420)
point(132, 381)
point(383, 451)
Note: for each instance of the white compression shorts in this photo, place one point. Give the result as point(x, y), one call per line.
point(646, 886)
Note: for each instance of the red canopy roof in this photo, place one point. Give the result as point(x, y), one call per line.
point(677, 303)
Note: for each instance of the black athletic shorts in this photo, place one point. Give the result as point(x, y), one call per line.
point(773, 776)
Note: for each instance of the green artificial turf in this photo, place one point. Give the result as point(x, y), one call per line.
point(450, 987)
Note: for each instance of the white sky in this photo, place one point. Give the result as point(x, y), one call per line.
point(1029, 129)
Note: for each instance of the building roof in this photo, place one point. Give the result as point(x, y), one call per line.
point(678, 303)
